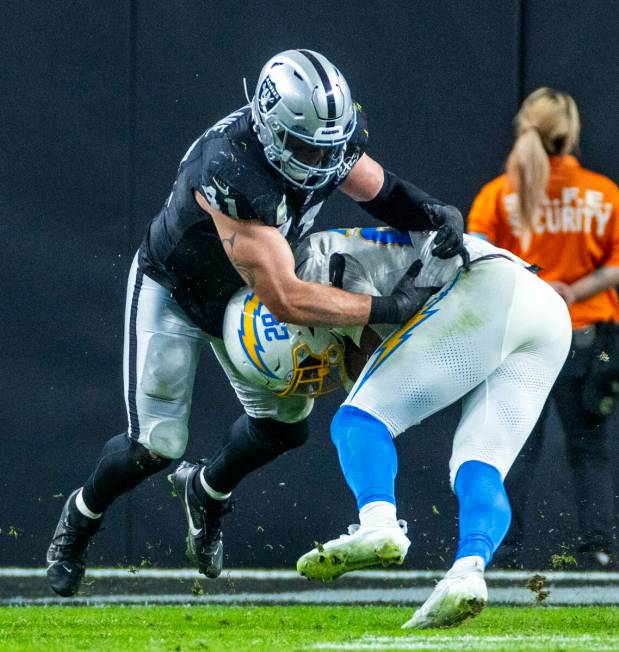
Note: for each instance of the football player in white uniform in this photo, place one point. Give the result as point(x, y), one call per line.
point(494, 335)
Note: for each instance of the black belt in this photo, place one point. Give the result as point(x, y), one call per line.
point(534, 269)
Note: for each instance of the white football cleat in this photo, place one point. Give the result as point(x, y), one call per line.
point(461, 594)
point(363, 546)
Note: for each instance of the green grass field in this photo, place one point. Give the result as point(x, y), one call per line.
point(300, 628)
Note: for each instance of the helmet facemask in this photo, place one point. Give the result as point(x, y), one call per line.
point(304, 162)
point(316, 374)
point(285, 358)
point(304, 116)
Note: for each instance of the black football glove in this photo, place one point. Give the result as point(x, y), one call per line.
point(403, 302)
point(448, 241)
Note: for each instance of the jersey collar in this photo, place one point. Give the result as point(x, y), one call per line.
point(566, 161)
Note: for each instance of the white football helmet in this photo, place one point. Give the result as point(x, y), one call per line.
point(285, 358)
point(304, 116)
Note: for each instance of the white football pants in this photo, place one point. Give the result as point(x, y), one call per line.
point(497, 336)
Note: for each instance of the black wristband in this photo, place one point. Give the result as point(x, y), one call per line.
point(398, 307)
point(384, 310)
point(401, 204)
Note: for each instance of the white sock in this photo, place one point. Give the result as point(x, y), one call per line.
point(82, 508)
point(217, 495)
point(378, 514)
point(465, 564)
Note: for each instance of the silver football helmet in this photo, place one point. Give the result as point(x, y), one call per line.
point(304, 116)
point(284, 358)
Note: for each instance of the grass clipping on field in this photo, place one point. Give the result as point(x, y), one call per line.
point(539, 585)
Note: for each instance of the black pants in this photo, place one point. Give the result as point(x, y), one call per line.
point(586, 442)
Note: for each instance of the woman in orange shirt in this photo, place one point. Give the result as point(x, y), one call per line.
point(555, 214)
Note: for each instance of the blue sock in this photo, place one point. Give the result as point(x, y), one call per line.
point(367, 455)
point(484, 511)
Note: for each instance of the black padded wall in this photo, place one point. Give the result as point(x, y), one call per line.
point(98, 105)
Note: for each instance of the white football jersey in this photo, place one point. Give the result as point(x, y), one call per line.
point(377, 257)
point(495, 337)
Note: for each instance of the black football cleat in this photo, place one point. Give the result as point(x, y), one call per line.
point(66, 555)
point(205, 548)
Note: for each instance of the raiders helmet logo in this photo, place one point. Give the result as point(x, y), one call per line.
point(268, 96)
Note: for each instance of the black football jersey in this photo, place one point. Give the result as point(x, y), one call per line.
point(227, 166)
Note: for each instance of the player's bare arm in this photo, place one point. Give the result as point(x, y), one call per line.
point(265, 261)
point(404, 206)
point(365, 180)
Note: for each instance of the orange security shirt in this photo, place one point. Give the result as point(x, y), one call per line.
point(576, 231)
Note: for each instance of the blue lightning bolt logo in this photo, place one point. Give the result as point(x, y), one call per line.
point(248, 334)
point(395, 340)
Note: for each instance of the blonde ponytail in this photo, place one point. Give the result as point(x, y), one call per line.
point(548, 124)
point(528, 168)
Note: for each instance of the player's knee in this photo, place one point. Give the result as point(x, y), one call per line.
point(122, 465)
point(459, 459)
point(278, 435)
point(349, 419)
point(483, 483)
point(167, 367)
point(339, 423)
point(123, 455)
point(167, 438)
point(145, 459)
point(295, 434)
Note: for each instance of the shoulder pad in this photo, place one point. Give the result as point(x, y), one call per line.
point(356, 145)
point(245, 192)
point(360, 135)
point(224, 197)
point(234, 178)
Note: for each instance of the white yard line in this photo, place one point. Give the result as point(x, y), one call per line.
point(471, 642)
point(413, 596)
point(554, 577)
point(390, 587)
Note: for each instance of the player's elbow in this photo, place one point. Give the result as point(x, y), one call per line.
point(276, 301)
point(279, 309)
point(282, 301)
point(285, 309)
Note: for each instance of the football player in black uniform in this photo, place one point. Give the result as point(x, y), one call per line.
point(246, 191)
